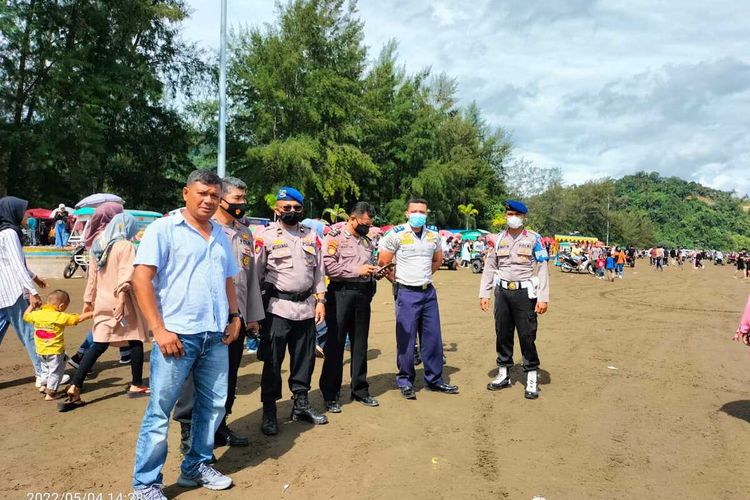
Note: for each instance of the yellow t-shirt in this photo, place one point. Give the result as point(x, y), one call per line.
point(49, 325)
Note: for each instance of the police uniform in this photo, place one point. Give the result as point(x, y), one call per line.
point(509, 269)
point(416, 306)
point(289, 261)
point(347, 312)
point(250, 307)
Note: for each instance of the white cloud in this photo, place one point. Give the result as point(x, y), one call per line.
point(597, 88)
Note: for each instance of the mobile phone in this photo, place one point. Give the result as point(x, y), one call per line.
point(385, 268)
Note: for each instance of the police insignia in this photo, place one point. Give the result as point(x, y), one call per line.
point(331, 250)
point(245, 236)
point(246, 261)
point(407, 239)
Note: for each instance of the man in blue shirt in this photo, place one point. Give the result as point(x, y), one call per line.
point(183, 284)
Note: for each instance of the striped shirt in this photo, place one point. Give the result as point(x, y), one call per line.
point(15, 277)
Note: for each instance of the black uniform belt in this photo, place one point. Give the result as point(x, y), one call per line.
point(353, 285)
point(417, 288)
point(270, 291)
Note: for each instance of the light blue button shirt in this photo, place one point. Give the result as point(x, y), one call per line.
point(191, 273)
point(413, 255)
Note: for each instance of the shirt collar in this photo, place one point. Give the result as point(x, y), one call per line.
point(49, 307)
point(179, 219)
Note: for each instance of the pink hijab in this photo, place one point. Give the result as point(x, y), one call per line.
point(102, 215)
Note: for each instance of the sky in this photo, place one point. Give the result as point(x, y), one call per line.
point(596, 88)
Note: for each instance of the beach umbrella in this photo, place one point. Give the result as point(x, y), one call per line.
point(54, 212)
point(445, 232)
point(97, 199)
point(39, 213)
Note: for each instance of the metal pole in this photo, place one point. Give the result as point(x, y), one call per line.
point(607, 220)
point(221, 164)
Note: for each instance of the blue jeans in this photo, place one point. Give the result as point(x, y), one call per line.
point(208, 359)
point(25, 331)
point(61, 234)
point(620, 268)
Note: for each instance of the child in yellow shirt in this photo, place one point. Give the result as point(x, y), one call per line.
point(49, 322)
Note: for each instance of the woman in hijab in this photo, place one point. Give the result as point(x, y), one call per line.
point(17, 288)
point(117, 319)
point(102, 216)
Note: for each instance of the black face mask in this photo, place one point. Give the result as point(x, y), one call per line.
point(291, 218)
point(236, 210)
point(362, 230)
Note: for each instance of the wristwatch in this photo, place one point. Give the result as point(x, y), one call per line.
point(234, 315)
point(321, 301)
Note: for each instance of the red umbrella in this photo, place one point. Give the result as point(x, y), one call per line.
point(39, 213)
point(445, 232)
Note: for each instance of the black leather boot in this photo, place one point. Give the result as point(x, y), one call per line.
point(269, 427)
point(184, 438)
point(302, 410)
point(225, 436)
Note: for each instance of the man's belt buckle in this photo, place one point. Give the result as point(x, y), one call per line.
point(512, 285)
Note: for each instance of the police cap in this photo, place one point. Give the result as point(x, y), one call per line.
point(516, 206)
point(289, 194)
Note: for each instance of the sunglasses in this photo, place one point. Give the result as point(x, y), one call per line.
point(289, 208)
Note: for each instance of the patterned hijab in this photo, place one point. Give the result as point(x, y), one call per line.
point(122, 227)
point(11, 214)
point(102, 215)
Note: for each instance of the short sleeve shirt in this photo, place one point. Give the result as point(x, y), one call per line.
point(191, 273)
point(413, 255)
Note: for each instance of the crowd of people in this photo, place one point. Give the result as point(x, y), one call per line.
point(199, 283)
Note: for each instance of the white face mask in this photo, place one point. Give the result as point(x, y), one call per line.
point(514, 221)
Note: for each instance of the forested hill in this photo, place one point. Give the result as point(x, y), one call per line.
point(646, 209)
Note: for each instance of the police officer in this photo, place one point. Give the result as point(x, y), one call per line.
point(349, 265)
point(231, 211)
point(418, 256)
point(519, 295)
point(290, 269)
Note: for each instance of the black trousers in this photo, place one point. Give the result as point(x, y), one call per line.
point(514, 310)
point(95, 351)
point(183, 409)
point(347, 312)
point(278, 335)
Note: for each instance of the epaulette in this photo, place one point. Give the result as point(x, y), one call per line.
point(334, 232)
point(398, 229)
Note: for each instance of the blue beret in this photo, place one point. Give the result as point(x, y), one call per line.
point(289, 194)
point(516, 206)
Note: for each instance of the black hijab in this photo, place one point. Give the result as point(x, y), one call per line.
point(11, 214)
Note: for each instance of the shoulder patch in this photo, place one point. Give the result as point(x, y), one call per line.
point(334, 232)
point(398, 229)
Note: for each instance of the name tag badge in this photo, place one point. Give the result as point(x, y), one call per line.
point(309, 249)
point(524, 251)
point(503, 251)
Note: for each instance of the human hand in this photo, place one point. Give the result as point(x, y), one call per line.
point(168, 342)
point(232, 331)
point(366, 270)
point(35, 301)
point(40, 282)
point(88, 307)
point(541, 307)
point(252, 328)
point(320, 313)
point(484, 304)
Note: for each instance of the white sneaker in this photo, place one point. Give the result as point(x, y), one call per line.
point(208, 477)
point(65, 379)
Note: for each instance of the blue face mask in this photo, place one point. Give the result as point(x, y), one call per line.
point(417, 220)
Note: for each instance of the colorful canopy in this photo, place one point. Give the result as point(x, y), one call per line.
point(39, 213)
point(575, 239)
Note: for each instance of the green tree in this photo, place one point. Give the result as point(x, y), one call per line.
point(468, 211)
point(82, 108)
point(336, 213)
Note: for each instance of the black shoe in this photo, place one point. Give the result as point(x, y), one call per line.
point(408, 392)
point(530, 395)
point(333, 406)
point(445, 388)
point(75, 360)
point(225, 436)
point(303, 410)
point(268, 426)
point(492, 386)
point(184, 438)
point(366, 400)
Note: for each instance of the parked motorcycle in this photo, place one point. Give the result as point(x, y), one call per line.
point(78, 258)
point(477, 264)
point(568, 264)
point(449, 260)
